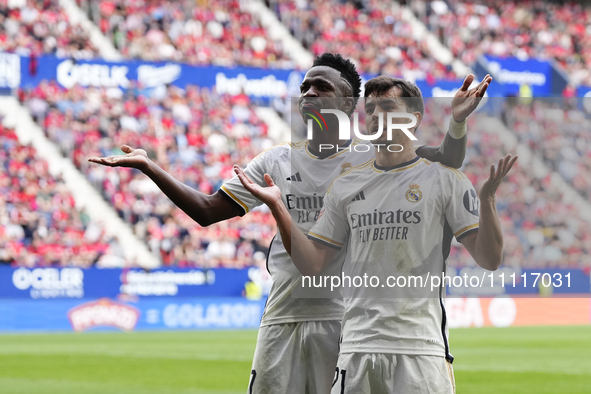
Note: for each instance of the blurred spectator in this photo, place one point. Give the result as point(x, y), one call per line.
point(523, 29)
point(39, 223)
point(41, 26)
point(372, 33)
point(217, 32)
point(541, 230)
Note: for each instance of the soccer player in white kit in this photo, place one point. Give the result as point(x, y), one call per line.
point(297, 345)
point(410, 210)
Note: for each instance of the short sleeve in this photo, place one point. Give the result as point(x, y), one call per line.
point(331, 228)
point(234, 189)
point(463, 209)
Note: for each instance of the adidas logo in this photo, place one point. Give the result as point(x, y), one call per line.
point(295, 177)
point(359, 197)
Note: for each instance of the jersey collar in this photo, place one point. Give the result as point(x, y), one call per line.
point(405, 164)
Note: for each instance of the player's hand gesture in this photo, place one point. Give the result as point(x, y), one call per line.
point(466, 100)
point(270, 195)
point(134, 158)
point(490, 186)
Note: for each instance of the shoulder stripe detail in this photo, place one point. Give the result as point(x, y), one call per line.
point(462, 231)
point(233, 197)
point(350, 170)
point(298, 144)
point(327, 244)
point(274, 146)
point(458, 173)
point(324, 239)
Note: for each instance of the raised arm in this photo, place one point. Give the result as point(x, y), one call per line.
point(308, 256)
point(452, 150)
point(486, 245)
point(203, 208)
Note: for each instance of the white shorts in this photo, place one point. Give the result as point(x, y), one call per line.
point(295, 358)
point(369, 373)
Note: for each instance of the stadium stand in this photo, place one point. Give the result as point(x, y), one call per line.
point(196, 135)
point(558, 132)
point(199, 147)
point(525, 29)
point(39, 27)
point(540, 229)
point(371, 33)
point(216, 32)
point(39, 223)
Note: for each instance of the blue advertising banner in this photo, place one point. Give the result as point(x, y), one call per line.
point(146, 314)
point(255, 82)
point(76, 283)
point(510, 74)
point(514, 74)
point(475, 281)
point(52, 283)
point(258, 83)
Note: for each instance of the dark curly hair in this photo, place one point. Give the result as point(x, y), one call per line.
point(345, 67)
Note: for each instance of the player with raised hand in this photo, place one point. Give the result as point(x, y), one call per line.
point(404, 224)
point(297, 345)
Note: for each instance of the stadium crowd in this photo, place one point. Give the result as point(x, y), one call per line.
point(539, 228)
point(194, 134)
point(32, 28)
point(39, 223)
point(372, 33)
point(219, 32)
point(559, 134)
point(198, 135)
point(525, 29)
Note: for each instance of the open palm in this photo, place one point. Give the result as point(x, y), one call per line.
point(270, 195)
point(490, 186)
point(133, 158)
point(466, 100)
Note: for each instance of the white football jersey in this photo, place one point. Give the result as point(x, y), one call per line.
point(303, 179)
point(396, 222)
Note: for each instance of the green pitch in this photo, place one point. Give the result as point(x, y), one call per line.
point(488, 360)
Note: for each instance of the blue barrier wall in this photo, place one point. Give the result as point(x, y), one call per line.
point(511, 73)
point(42, 299)
point(144, 314)
point(52, 283)
point(258, 83)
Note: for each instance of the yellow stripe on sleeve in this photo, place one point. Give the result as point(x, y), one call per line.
point(233, 197)
point(330, 241)
point(462, 231)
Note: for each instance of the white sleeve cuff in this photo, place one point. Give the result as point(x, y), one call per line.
point(457, 130)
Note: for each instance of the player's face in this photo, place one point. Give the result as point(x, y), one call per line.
point(322, 87)
point(387, 102)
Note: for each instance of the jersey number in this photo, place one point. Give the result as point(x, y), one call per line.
point(253, 375)
point(336, 378)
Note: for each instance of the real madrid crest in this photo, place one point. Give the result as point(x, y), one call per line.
point(414, 194)
point(344, 166)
